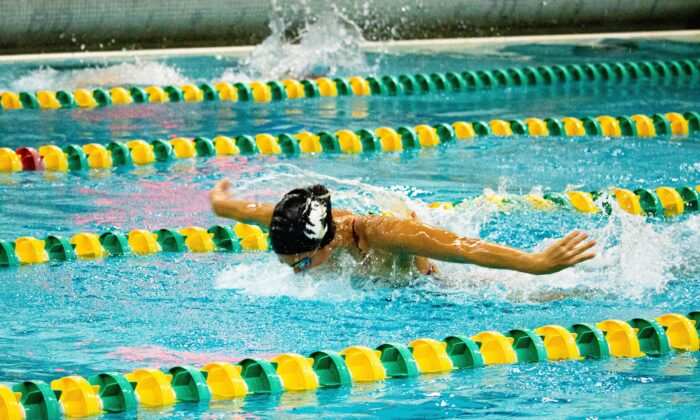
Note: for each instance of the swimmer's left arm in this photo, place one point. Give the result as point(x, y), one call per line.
point(412, 237)
point(243, 211)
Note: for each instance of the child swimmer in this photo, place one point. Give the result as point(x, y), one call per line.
point(305, 231)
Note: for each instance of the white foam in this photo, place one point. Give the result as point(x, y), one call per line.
point(271, 278)
point(124, 74)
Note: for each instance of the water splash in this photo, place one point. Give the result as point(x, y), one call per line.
point(328, 44)
point(137, 73)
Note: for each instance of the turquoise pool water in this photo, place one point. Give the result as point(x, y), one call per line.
point(120, 314)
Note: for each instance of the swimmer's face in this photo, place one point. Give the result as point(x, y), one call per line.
point(306, 260)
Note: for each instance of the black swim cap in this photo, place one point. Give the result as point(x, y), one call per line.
point(302, 221)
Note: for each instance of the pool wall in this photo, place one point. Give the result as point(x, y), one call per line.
point(74, 25)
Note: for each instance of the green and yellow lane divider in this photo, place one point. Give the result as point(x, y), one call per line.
point(85, 245)
point(663, 201)
point(76, 396)
point(384, 139)
point(399, 85)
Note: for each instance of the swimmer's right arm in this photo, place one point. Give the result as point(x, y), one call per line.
point(406, 236)
point(244, 211)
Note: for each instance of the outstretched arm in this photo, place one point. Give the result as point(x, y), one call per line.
point(243, 211)
point(414, 238)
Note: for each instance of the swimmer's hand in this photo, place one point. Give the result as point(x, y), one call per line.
point(219, 195)
point(224, 205)
point(564, 253)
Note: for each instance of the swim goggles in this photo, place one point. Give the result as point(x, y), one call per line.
point(303, 264)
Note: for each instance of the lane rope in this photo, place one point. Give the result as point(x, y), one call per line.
point(384, 139)
point(76, 396)
point(622, 72)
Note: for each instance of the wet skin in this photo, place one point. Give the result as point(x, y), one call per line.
point(381, 237)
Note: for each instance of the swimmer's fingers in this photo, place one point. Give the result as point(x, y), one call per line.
point(583, 247)
point(220, 191)
point(580, 237)
point(583, 257)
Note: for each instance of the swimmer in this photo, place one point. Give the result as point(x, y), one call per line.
point(305, 231)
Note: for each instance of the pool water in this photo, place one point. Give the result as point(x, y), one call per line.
point(119, 314)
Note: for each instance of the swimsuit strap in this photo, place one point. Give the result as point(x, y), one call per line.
point(356, 237)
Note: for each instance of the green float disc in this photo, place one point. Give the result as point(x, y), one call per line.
point(426, 83)
point(528, 346)
point(445, 132)
point(503, 78)
point(329, 142)
point(244, 92)
point(481, 128)
point(209, 92)
point(58, 248)
point(261, 377)
point(441, 82)
point(277, 90)
point(393, 87)
point(246, 144)
point(170, 240)
point(518, 127)
point(562, 74)
point(77, 159)
point(558, 199)
point(376, 86)
point(590, 341)
point(116, 243)
point(456, 81)
point(343, 87)
point(66, 99)
point(518, 76)
point(695, 316)
point(8, 258)
point(464, 352)
point(331, 369)
point(370, 141)
point(204, 146)
point(102, 97)
point(690, 197)
point(534, 77)
point(652, 337)
point(398, 360)
point(121, 155)
point(487, 78)
point(409, 138)
point(627, 126)
point(175, 94)
point(288, 144)
point(592, 126)
point(139, 95)
point(189, 384)
point(473, 81)
point(115, 391)
point(225, 238)
point(650, 202)
point(661, 124)
point(40, 402)
point(548, 75)
point(163, 150)
point(555, 127)
point(28, 100)
point(409, 83)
